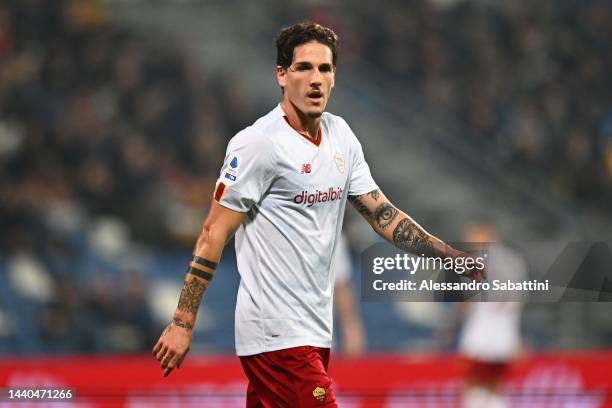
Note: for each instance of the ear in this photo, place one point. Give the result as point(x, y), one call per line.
point(333, 79)
point(281, 76)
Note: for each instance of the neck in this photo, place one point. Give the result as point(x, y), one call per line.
point(301, 122)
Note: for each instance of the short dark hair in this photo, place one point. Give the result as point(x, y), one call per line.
point(302, 33)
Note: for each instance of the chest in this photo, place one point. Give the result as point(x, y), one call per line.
point(304, 166)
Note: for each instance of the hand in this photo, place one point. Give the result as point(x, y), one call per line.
point(172, 347)
point(475, 273)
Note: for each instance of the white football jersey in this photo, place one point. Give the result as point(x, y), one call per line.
point(294, 192)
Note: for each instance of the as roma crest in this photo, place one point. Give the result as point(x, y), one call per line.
point(339, 159)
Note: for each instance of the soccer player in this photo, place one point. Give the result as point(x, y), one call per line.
point(282, 190)
point(491, 341)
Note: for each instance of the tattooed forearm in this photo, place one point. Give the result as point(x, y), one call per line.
point(374, 194)
point(385, 214)
point(191, 296)
point(410, 237)
point(184, 325)
point(396, 227)
point(360, 206)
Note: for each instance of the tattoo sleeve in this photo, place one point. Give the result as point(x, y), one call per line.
point(360, 206)
point(395, 226)
point(191, 296)
point(184, 325)
point(410, 237)
point(199, 274)
point(385, 214)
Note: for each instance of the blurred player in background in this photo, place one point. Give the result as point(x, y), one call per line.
point(491, 337)
point(351, 327)
point(283, 189)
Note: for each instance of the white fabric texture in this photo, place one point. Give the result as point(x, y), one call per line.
point(294, 194)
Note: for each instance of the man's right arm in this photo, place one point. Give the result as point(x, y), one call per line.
point(219, 226)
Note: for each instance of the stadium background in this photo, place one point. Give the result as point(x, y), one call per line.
point(114, 116)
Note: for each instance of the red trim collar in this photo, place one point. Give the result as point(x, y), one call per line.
point(316, 142)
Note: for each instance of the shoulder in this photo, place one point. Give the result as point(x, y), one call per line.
point(336, 122)
point(339, 125)
point(252, 146)
point(341, 129)
point(248, 137)
point(256, 139)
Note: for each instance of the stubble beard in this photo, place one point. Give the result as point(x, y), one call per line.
point(315, 114)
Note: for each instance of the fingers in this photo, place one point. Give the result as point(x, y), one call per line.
point(182, 358)
point(172, 360)
point(162, 352)
point(171, 364)
point(167, 359)
point(157, 347)
point(159, 343)
point(478, 275)
point(167, 371)
point(169, 352)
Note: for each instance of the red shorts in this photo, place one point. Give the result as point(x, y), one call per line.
point(484, 371)
point(293, 378)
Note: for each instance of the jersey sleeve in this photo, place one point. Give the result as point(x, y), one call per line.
point(246, 173)
point(361, 178)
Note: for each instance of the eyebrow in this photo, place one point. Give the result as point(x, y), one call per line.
point(306, 63)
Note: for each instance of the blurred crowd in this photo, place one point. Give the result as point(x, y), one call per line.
point(111, 138)
point(107, 139)
point(97, 118)
point(529, 80)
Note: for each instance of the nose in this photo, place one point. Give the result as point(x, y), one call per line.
point(316, 77)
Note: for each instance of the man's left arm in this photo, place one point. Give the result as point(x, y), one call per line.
point(402, 231)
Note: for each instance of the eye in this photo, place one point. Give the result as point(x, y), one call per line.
point(302, 67)
point(325, 68)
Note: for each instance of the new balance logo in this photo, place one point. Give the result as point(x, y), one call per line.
point(306, 168)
